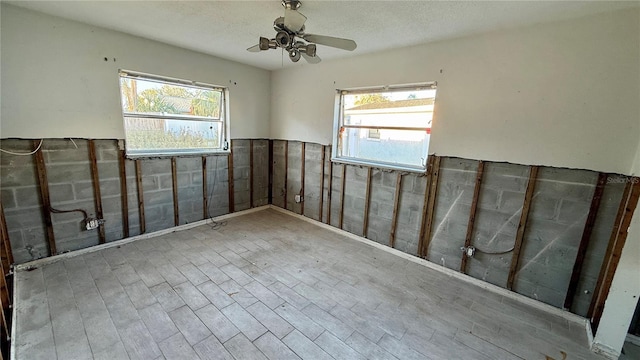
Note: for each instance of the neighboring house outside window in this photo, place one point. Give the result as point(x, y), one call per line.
point(384, 127)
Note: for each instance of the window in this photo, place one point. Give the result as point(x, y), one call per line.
point(172, 117)
point(387, 127)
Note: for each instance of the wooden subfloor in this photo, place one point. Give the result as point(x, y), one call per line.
point(268, 285)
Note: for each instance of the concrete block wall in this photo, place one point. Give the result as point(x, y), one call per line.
point(294, 177)
point(410, 212)
point(354, 199)
point(557, 216)
point(497, 217)
point(594, 257)
point(279, 173)
point(260, 172)
point(312, 180)
point(451, 214)
point(383, 187)
point(71, 187)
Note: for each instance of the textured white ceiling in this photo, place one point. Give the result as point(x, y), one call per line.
point(227, 28)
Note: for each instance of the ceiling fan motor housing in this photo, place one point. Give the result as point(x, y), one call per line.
point(283, 39)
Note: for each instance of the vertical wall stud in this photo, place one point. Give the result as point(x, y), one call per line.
point(41, 171)
point(7, 253)
point(286, 171)
point(425, 203)
point(143, 226)
point(433, 193)
point(205, 195)
point(232, 205)
point(270, 190)
point(394, 217)
point(329, 190)
point(344, 181)
point(584, 241)
point(614, 250)
point(124, 195)
point(526, 206)
point(6, 259)
point(321, 200)
point(302, 157)
point(95, 178)
point(472, 215)
point(367, 203)
point(251, 173)
point(174, 182)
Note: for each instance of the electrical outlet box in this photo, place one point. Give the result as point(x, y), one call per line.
point(92, 224)
point(298, 198)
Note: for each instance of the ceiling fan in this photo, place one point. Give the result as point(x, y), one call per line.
point(290, 33)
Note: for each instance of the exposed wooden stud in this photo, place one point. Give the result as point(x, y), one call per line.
point(433, 193)
point(329, 191)
point(7, 253)
point(524, 215)
point(174, 182)
point(270, 190)
point(394, 216)
point(232, 202)
point(41, 171)
point(143, 226)
point(344, 181)
point(251, 173)
point(321, 200)
point(95, 178)
point(472, 214)
point(124, 195)
point(286, 171)
point(6, 259)
point(425, 203)
point(205, 195)
point(614, 249)
point(367, 202)
point(303, 161)
point(584, 241)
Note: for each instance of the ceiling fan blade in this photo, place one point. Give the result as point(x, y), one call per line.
point(335, 42)
point(254, 48)
point(311, 59)
point(293, 20)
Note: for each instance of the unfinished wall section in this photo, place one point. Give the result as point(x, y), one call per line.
point(71, 186)
point(451, 213)
point(497, 217)
point(527, 227)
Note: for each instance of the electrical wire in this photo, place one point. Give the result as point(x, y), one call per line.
point(496, 252)
point(57, 211)
point(24, 154)
point(215, 225)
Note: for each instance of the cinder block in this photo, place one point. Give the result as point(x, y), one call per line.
point(18, 175)
point(571, 211)
point(155, 167)
point(157, 197)
point(28, 196)
point(8, 198)
point(65, 173)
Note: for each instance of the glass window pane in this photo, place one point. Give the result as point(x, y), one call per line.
point(148, 135)
point(156, 97)
point(400, 147)
point(391, 108)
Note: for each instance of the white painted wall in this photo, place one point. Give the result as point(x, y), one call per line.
point(55, 82)
point(623, 296)
point(560, 94)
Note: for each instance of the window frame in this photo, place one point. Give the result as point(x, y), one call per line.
point(338, 124)
point(223, 118)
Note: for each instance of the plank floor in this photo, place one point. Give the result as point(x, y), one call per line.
point(267, 285)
